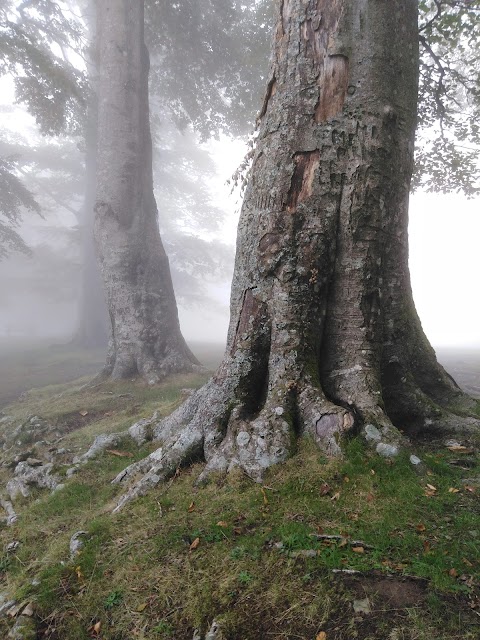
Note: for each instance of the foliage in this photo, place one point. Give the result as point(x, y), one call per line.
point(209, 61)
point(449, 107)
point(14, 199)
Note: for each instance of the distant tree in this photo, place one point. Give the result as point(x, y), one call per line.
point(145, 334)
point(323, 335)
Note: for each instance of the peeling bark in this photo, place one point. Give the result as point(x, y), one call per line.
point(323, 336)
point(145, 333)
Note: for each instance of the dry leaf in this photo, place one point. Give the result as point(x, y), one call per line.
point(467, 562)
point(191, 507)
point(194, 544)
point(370, 497)
point(335, 496)
point(343, 542)
point(372, 472)
point(321, 636)
point(78, 571)
point(431, 487)
point(421, 527)
point(120, 454)
point(324, 489)
point(459, 448)
point(358, 550)
point(453, 573)
point(83, 413)
point(222, 524)
point(453, 490)
point(265, 499)
point(346, 479)
point(426, 546)
point(142, 607)
point(96, 627)
point(470, 488)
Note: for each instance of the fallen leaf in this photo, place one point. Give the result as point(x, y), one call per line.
point(83, 413)
point(370, 497)
point(453, 573)
point(120, 454)
point(467, 562)
point(426, 546)
point(431, 487)
point(142, 607)
point(421, 527)
point(96, 627)
point(372, 472)
point(335, 496)
point(194, 544)
point(358, 550)
point(265, 499)
point(321, 636)
point(78, 571)
point(343, 542)
point(191, 507)
point(453, 490)
point(459, 448)
point(470, 488)
point(324, 489)
point(346, 479)
point(222, 524)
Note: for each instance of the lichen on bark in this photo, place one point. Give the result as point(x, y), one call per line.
point(324, 338)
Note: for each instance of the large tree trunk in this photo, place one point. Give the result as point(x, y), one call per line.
point(323, 335)
point(145, 333)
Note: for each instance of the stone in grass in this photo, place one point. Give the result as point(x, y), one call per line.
point(362, 606)
point(77, 543)
point(23, 629)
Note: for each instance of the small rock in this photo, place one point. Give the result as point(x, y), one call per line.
point(12, 546)
point(62, 451)
point(387, 450)
point(34, 462)
point(372, 434)
point(76, 543)
point(215, 633)
point(362, 606)
point(23, 629)
point(71, 471)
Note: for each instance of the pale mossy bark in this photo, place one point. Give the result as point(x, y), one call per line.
point(324, 338)
point(145, 335)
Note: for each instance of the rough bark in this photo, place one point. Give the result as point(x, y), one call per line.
point(145, 333)
point(323, 337)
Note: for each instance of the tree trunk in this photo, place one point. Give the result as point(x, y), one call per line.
point(92, 328)
point(323, 337)
point(145, 333)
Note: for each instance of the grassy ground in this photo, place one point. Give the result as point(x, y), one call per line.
point(403, 562)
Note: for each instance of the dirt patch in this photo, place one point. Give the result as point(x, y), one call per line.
point(393, 592)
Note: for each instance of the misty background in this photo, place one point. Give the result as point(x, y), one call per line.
point(195, 155)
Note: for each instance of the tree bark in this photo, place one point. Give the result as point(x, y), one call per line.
point(145, 333)
point(323, 337)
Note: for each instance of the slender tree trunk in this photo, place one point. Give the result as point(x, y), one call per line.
point(92, 328)
point(145, 333)
point(323, 337)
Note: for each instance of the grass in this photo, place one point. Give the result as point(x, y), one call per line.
point(253, 557)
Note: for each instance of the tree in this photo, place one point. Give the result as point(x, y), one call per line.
point(145, 332)
point(323, 336)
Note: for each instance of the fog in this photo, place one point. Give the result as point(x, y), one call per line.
point(41, 291)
